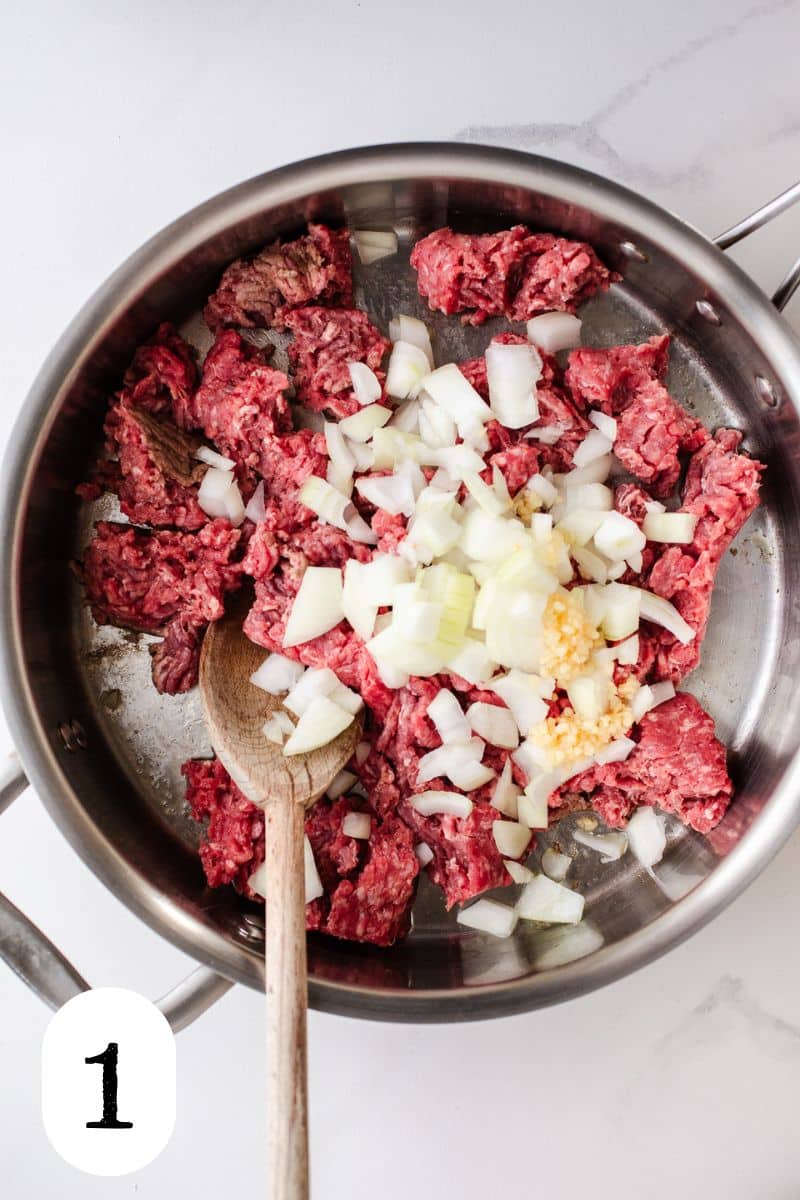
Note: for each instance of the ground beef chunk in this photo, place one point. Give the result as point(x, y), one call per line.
point(233, 845)
point(162, 375)
point(260, 292)
point(325, 341)
point(165, 581)
point(390, 528)
point(678, 764)
point(514, 273)
point(632, 502)
point(652, 428)
point(721, 489)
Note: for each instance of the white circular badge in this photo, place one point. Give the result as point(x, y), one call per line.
point(108, 1081)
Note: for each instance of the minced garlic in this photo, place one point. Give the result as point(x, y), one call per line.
point(525, 504)
point(569, 738)
point(568, 637)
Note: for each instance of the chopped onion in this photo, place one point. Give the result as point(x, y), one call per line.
point(518, 872)
point(315, 681)
point(506, 793)
point(317, 607)
point(363, 454)
point(431, 804)
point(357, 607)
point(234, 505)
point(524, 695)
point(277, 674)
point(676, 527)
point(433, 530)
point(366, 385)
point(322, 721)
point(471, 775)
point(650, 696)
point(532, 807)
point(472, 662)
point(340, 784)
point(406, 417)
point(456, 395)
point(589, 695)
point(597, 471)
point(357, 825)
point(486, 497)
point(419, 620)
point(314, 888)
point(548, 435)
point(512, 372)
point(627, 653)
point(489, 916)
point(647, 836)
point(616, 751)
point(362, 425)
point(424, 853)
point(444, 759)
point(256, 509)
point(594, 446)
point(511, 838)
point(342, 463)
point(207, 455)
point(373, 245)
point(590, 565)
point(213, 491)
point(607, 425)
point(595, 497)
point(610, 846)
point(382, 575)
point(413, 331)
point(619, 537)
point(545, 900)
point(635, 561)
point(274, 728)
point(436, 427)
point(616, 571)
point(408, 367)
point(448, 718)
point(661, 612)
point(391, 446)
point(554, 331)
point(555, 865)
point(494, 724)
point(543, 488)
point(622, 606)
point(395, 493)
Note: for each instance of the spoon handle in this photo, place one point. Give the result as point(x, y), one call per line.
point(287, 1001)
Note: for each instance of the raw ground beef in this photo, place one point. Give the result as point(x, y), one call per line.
point(261, 291)
point(172, 578)
point(325, 341)
point(678, 764)
point(514, 273)
point(369, 885)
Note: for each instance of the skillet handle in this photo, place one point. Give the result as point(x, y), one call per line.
point(41, 965)
point(767, 212)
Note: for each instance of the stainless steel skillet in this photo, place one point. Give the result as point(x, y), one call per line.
point(103, 749)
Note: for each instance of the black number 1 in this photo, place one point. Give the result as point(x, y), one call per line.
point(109, 1060)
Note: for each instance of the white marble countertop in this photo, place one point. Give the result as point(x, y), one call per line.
point(681, 1080)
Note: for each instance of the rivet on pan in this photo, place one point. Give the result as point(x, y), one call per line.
point(251, 927)
point(767, 392)
point(631, 250)
point(708, 312)
point(72, 735)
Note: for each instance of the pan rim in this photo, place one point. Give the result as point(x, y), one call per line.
point(286, 185)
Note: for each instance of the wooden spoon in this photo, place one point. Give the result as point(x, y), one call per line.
point(235, 712)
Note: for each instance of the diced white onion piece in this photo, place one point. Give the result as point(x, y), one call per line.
point(406, 417)
point(548, 435)
point(393, 493)
point(342, 463)
point(419, 621)
point(373, 245)
point(314, 682)
point(590, 565)
point(512, 372)
point(588, 695)
point(494, 724)
point(434, 529)
point(314, 888)
point(357, 825)
point(408, 366)
point(511, 838)
point(472, 662)
point(506, 793)
point(431, 804)
point(258, 881)
point(277, 674)
point(524, 695)
point(207, 455)
point(650, 696)
point(543, 488)
point(234, 505)
point(391, 446)
point(555, 865)
point(334, 508)
point(486, 497)
point(619, 537)
point(635, 561)
point(554, 331)
point(610, 846)
point(273, 731)
point(489, 916)
point(518, 872)
point(340, 784)
point(595, 445)
point(597, 471)
point(424, 853)
point(500, 486)
point(346, 698)
point(654, 506)
point(214, 488)
point(616, 571)
point(363, 454)
point(444, 759)
point(366, 385)
point(471, 775)
point(413, 331)
point(532, 807)
point(357, 607)
point(474, 434)
point(437, 429)
point(607, 425)
point(491, 539)
point(616, 751)
point(322, 721)
point(627, 653)
point(658, 610)
point(676, 527)
point(317, 607)
point(453, 392)
point(382, 575)
point(545, 900)
point(595, 497)
point(647, 836)
point(580, 525)
point(622, 606)
point(448, 718)
point(361, 426)
point(256, 508)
